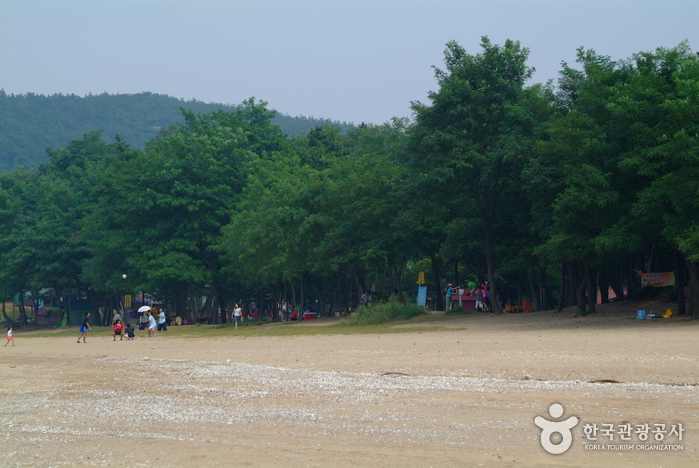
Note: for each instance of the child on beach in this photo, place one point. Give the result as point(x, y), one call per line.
point(151, 325)
point(142, 322)
point(130, 332)
point(118, 328)
point(9, 337)
point(162, 322)
point(84, 327)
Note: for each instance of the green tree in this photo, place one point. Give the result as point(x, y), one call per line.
point(165, 207)
point(473, 138)
point(658, 114)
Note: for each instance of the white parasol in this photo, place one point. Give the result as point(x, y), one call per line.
point(144, 308)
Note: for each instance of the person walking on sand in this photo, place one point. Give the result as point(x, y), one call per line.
point(151, 325)
point(84, 327)
point(142, 322)
point(162, 322)
point(9, 337)
point(237, 315)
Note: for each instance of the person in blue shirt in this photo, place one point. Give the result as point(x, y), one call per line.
point(84, 327)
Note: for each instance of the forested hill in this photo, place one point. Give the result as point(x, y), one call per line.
point(29, 123)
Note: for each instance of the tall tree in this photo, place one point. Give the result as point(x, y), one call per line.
point(166, 206)
point(658, 112)
point(474, 137)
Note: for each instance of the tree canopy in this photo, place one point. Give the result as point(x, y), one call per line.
point(552, 193)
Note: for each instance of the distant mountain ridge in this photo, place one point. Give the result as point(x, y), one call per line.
point(30, 123)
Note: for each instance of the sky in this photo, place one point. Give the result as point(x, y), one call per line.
point(345, 60)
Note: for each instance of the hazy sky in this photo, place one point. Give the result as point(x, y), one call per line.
point(348, 60)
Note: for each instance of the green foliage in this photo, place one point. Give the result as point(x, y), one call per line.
point(477, 135)
point(492, 175)
point(30, 123)
point(255, 322)
point(458, 311)
point(386, 312)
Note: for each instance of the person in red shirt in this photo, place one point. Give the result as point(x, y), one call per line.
point(118, 328)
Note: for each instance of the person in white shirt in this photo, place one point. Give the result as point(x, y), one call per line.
point(162, 323)
point(237, 315)
point(151, 325)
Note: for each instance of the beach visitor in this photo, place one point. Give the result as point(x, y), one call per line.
point(84, 327)
point(9, 337)
point(118, 329)
point(162, 322)
point(237, 315)
point(130, 332)
point(142, 322)
point(364, 300)
point(152, 325)
point(479, 299)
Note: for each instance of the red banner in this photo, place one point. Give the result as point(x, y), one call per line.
point(658, 280)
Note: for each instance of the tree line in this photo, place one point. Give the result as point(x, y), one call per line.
point(29, 123)
point(555, 193)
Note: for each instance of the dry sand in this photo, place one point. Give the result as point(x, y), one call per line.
point(466, 396)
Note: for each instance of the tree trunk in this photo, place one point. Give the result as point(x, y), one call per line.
point(35, 308)
point(679, 282)
point(70, 308)
point(632, 284)
point(580, 293)
point(532, 290)
point(221, 303)
point(603, 285)
point(694, 288)
point(456, 272)
point(216, 310)
point(191, 302)
point(436, 266)
point(562, 292)
point(489, 247)
point(208, 308)
point(591, 290)
point(303, 300)
point(22, 311)
point(358, 284)
point(574, 286)
point(57, 291)
point(322, 298)
point(334, 302)
point(399, 283)
point(544, 287)
point(108, 307)
point(293, 299)
point(4, 314)
point(183, 309)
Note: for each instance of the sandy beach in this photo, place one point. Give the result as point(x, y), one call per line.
point(464, 395)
